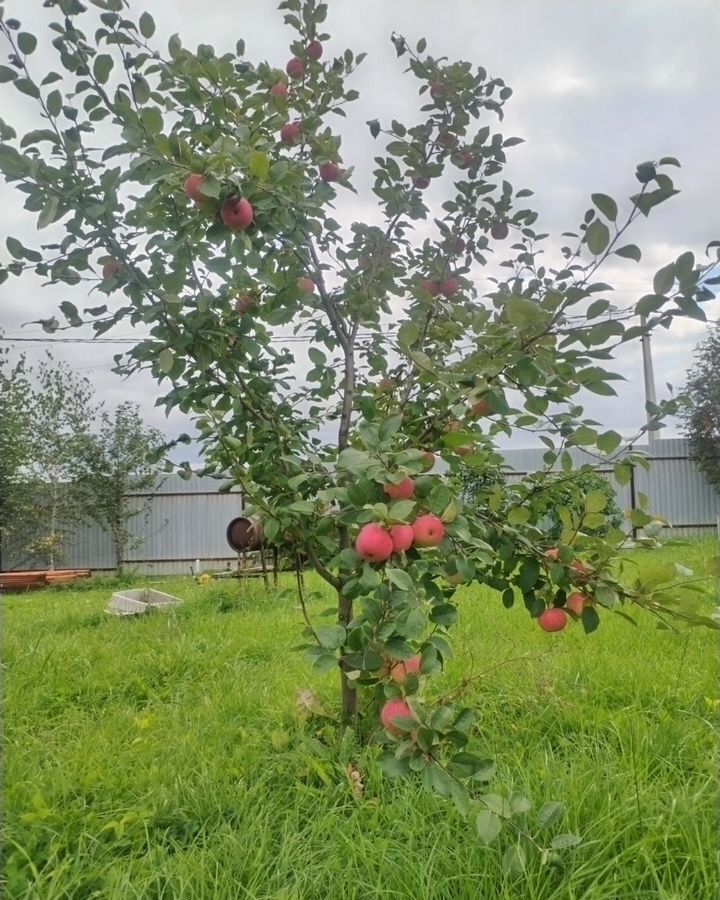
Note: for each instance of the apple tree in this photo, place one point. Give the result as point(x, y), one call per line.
point(196, 191)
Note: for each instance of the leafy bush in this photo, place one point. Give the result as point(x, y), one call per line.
point(563, 490)
point(570, 491)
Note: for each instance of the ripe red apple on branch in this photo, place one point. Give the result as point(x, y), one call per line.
point(400, 491)
point(237, 213)
point(392, 710)
point(374, 543)
point(552, 619)
point(400, 670)
point(402, 537)
point(295, 68)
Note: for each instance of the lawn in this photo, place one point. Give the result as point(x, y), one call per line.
point(164, 758)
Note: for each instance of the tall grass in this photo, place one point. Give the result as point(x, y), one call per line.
point(164, 758)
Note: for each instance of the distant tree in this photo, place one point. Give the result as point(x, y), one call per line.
point(15, 448)
point(59, 411)
point(111, 464)
point(702, 413)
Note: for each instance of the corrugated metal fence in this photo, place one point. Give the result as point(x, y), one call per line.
point(677, 491)
point(187, 519)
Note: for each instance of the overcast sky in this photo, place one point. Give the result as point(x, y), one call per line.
point(598, 88)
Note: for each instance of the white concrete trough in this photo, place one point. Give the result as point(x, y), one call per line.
point(138, 601)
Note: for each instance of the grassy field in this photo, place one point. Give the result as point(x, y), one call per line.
point(163, 757)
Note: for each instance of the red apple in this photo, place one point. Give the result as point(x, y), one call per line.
point(455, 579)
point(314, 50)
point(499, 231)
point(464, 160)
point(400, 671)
point(279, 90)
point(110, 268)
point(481, 408)
point(237, 213)
point(428, 530)
point(330, 171)
point(580, 568)
point(576, 603)
point(192, 188)
point(386, 385)
point(552, 553)
point(459, 245)
point(295, 68)
point(464, 450)
point(373, 543)
point(552, 619)
point(432, 287)
point(450, 286)
point(392, 709)
point(306, 285)
point(402, 537)
point(447, 139)
point(421, 182)
point(243, 304)
point(402, 491)
point(290, 132)
point(438, 89)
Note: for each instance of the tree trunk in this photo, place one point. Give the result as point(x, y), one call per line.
point(349, 697)
point(119, 550)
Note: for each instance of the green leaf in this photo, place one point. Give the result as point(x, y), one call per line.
point(36, 137)
point(166, 360)
point(102, 66)
point(549, 813)
point(650, 303)
point(590, 620)
point(664, 279)
point(259, 165)
point(408, 333)
point(514, 861)
point(597, 237)
point(49, 212)
point(609, 441)
point(460, 797)
point(629, 251)
point(519, 803)
point(15, 248)
point(26, 42)
point(401, 510)
point(400, 579)
point(147, 25)
point(522, 312)
point(622, 473)
point(488, 826)
point(374, 126)
point(498, 804)
point(7, 74)
point(394, 767)
point(606, 205)
point(563, 841)
point(304, 507)
point(152, 119)
point(25, 86)
point(54, 102)
point(595, 501)
point(330, 636)
point(518, 515)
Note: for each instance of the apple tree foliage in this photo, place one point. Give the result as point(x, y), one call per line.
point(406, 355)
point(701, 413)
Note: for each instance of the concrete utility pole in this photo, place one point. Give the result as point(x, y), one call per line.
point(649, 378)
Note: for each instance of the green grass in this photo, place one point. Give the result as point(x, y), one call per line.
point(163, 758)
